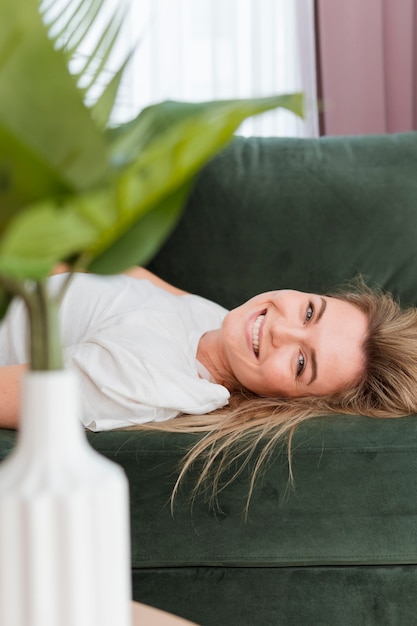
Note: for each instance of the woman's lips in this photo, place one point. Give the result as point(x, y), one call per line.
point(257, 333)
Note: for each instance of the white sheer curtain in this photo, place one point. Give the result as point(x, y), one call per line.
point(212, 49)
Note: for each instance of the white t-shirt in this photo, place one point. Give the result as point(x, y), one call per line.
point(133, 345)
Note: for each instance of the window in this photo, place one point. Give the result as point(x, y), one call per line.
point(214, 49)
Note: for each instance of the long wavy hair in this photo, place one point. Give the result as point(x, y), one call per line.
point(251, 425)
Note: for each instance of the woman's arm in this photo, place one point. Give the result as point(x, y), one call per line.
point(137, 272)
point(10, 377)
point(142, 273)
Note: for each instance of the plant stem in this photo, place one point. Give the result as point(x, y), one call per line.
point(45, 342)
point(44, 334)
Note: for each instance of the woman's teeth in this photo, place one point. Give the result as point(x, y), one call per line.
point(255, 333)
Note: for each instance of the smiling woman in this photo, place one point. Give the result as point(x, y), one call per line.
point(150, 356)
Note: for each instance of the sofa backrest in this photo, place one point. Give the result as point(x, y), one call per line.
point(307, 214)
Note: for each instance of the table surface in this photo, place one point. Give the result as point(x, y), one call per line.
point(144, 615)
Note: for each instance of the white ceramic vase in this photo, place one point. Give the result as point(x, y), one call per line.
point(64, 531)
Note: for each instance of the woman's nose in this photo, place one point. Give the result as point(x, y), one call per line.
point(285, 331)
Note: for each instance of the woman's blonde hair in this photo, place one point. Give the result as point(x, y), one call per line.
point(252, 425)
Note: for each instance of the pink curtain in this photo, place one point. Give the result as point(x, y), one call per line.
point(367, 65)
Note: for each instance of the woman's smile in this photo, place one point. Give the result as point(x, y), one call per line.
point(257, 330)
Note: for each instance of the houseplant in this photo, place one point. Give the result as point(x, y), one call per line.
point(100, 198)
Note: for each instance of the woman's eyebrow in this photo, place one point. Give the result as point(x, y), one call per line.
point(322, 309)
point(313, 352)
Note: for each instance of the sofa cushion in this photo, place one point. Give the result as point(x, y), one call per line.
point(353, 499)
point(286, 596)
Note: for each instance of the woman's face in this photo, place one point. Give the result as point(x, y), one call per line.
point(290, 343)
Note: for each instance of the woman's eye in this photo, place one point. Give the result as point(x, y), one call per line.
point(300, 365)
point(309, 312)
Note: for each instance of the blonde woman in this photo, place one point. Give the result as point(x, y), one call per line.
point(151, 356)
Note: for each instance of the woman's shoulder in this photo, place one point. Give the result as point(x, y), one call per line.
point(206, 313)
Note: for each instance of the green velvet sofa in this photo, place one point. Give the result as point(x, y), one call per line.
point(339, 547)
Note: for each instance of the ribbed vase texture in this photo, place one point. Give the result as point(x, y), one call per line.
point(64, 530)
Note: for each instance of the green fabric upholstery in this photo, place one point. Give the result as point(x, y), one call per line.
point(339, 546)
point(293, 596)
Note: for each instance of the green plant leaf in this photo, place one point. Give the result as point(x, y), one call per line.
point(41, 107)
point(70, 27)
point(24, 177)
point(104, 105)
point(128, 140)
point(94, 66)
point(75, 23)
point(139, 244)
point(41, 236)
